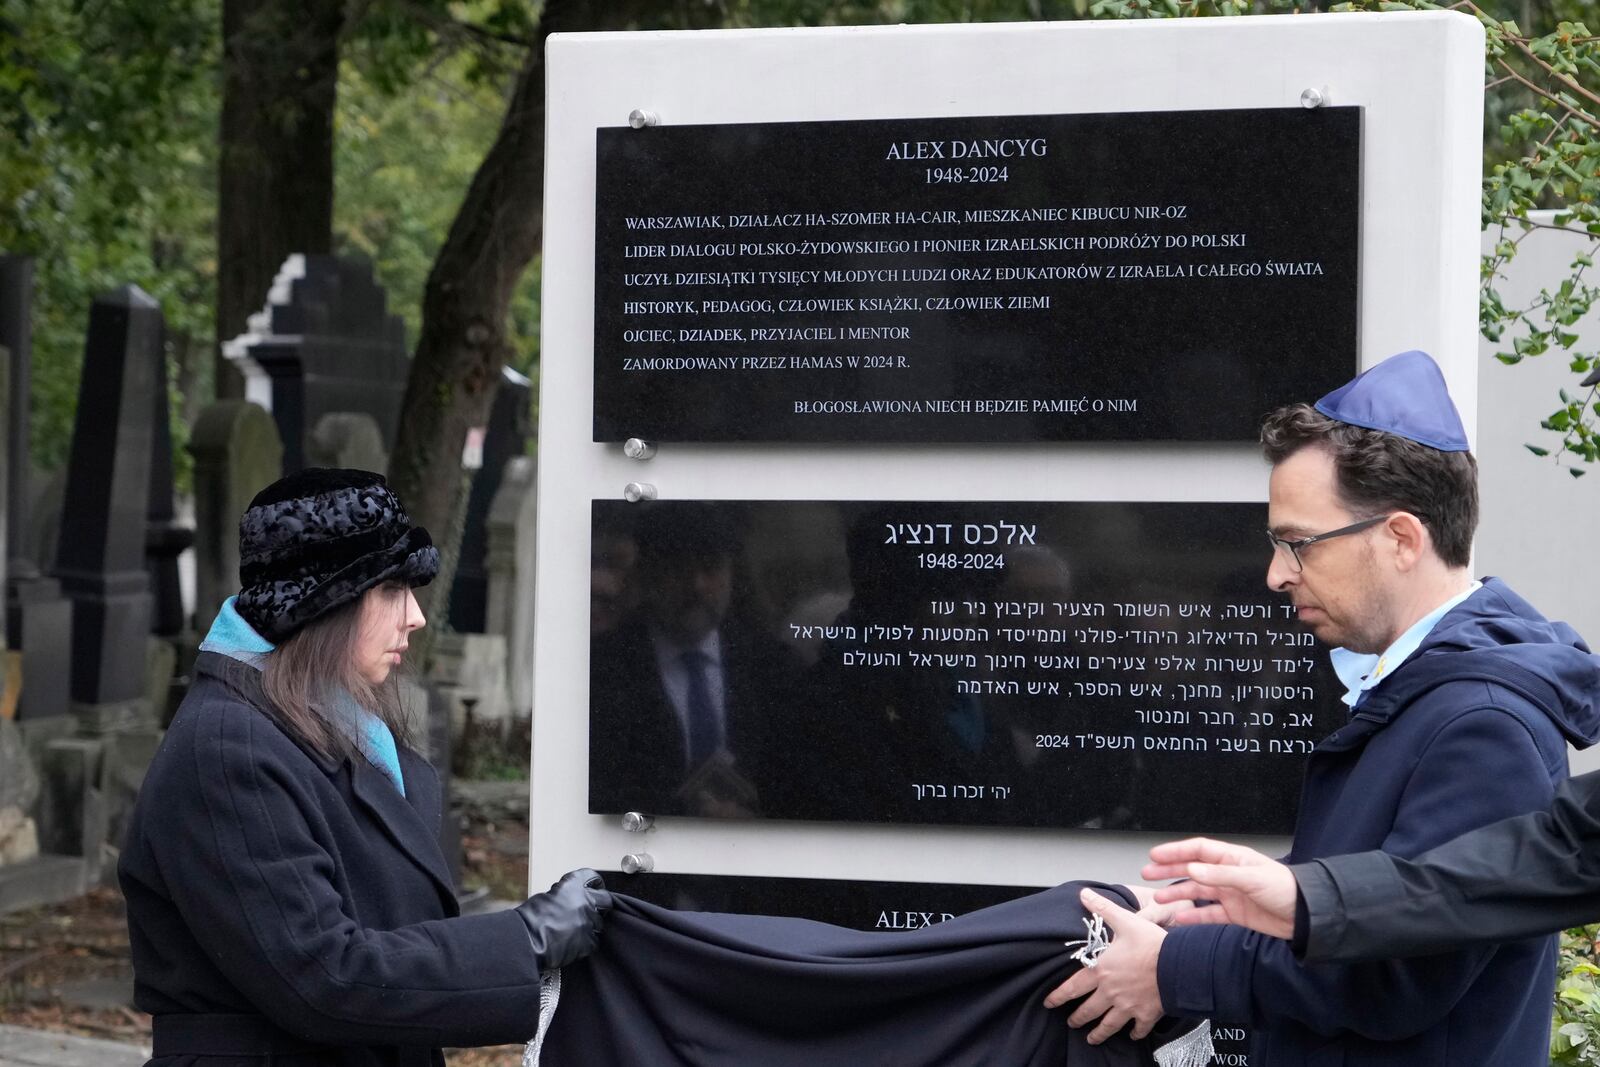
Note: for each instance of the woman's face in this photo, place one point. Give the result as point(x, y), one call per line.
point(389, 613)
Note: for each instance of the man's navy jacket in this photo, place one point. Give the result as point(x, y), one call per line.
point(1469, 730)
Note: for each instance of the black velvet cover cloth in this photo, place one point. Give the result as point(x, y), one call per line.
point(707, 989)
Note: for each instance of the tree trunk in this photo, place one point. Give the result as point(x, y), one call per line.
point(280, 61)
point(463, 347)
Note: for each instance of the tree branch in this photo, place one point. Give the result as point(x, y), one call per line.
point(1575, 112)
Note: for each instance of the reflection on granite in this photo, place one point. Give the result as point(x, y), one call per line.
point(1101, 665)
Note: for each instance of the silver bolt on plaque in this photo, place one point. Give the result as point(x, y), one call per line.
point(639, 118)
point(1312, 98)
point(638, 448)
point(637, 822)
point(638, 863)
point(634, 492)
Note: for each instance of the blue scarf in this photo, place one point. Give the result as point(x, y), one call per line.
point(232, 636)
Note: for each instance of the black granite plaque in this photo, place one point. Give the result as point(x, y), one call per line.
point(1100, 665)
point(1153, 275)
point(859, 905)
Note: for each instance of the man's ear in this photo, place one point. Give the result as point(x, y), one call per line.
point(1410, 539)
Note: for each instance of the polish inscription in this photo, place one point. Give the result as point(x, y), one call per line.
point(1016, 278)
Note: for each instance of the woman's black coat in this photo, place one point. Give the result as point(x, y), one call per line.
point(288, 908)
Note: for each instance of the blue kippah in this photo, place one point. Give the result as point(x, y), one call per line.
point(1404, 395)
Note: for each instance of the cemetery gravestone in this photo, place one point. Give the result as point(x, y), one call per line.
point(507, 436)
point(510, 562)
point(325, 343)
point(16, 297)
point(165, 537)
point(237, 453)
point(38, 619)
point(100, 558)
point(347, 439)
point(5, 474)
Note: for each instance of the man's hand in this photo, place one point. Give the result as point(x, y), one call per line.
point(1121, 986)
point(1161, 913)
point(1247, 888)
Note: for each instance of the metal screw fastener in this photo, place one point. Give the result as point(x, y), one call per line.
point(639, 118)
point(638, 448)
point(638, 863)
point(634, 492)
point(1310, 98)
point(637, 822)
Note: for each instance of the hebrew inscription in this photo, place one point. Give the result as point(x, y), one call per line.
point(1108, 665)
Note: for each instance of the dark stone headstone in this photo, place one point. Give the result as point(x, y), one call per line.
point(165, 537)
point(100, 554)
point(5, 473)
point(72, 810)
point(237, 453)
point(325, 342)
point(510, 423)
point(16, 300)
point(38, 620)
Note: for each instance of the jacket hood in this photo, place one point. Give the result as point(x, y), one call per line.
point(1496, 636)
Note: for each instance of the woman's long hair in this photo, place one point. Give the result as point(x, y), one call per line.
point(307, 675)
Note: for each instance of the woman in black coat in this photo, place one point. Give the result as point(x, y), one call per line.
point(287, 900)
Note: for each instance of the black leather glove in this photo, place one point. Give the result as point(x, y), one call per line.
point(564, 923)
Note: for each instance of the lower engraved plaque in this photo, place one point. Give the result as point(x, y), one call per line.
point(1094, 665)
point(859, 905)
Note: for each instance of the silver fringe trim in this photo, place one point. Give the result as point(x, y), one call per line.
point(1089, 948)
point(1193, 1049)
point(549, 997)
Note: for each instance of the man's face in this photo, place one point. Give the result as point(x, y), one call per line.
point(687, 599)
point(611, 594)
point(1339, 593)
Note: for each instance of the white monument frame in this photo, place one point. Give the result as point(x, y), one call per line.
point(1418, 77)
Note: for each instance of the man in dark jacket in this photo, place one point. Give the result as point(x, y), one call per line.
point(1527, 875)
point(1462, 701)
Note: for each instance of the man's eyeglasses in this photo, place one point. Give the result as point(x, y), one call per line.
point(1292, 548)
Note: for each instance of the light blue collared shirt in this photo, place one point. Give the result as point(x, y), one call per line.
point(1360, 671)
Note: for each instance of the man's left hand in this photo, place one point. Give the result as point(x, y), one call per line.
point(1121, 986)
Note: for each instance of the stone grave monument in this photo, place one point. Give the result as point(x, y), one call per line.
point(237, 453)
point(512, 527)
point(165, 537)
point(510, 423)
point(347, 439)
point(324, 343)
point(38, 619)
point(100, 559)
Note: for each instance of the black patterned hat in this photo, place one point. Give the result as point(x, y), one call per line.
point(317, 540)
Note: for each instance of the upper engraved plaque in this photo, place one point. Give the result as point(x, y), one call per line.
point(1155, 275)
